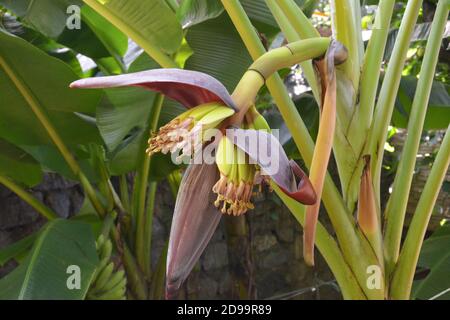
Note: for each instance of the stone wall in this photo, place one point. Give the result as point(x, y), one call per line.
point(274, 238)
point(275, 260)
point(18, 219)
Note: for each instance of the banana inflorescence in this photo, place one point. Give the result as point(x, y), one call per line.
point(108, 283)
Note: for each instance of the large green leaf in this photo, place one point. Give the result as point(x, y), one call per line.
point(123, 111)
point(24, 68)
point(435, 256)
point(11, 24)
point(18, 165)
point(438, 113)
point(45, 272)
point(218, 51)
point(151, 20)
point(96, 38)
point(192, 12)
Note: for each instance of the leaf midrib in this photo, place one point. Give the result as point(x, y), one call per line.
point(35, 252)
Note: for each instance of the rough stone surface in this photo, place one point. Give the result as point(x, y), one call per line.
point(274, 235)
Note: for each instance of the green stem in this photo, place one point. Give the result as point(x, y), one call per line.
point(385, 104)
point(41, 115)
point(108, 223)
point(28, 198)
point(154, 52)
point(269, 63)
point(356, 250)
point(372, 64)
point(124, 192)
point(346, 27)
point(296, 26)
point(396, 207)
point(148, 228)
point(289, 55)
point(116, 199)
point(142, 176)
point(404, 272)
point(92, 195)
point(299, 22)
point(134, 275)
point(157, 286)
point(328, 247)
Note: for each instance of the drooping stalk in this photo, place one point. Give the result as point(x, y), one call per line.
point(269, 63)
point(349, 285)
point(356, 250)
point(289, 55)
point(396, 207)
point(159, 56)
point(404, 272)
point(28, 198)
point(139, 197)
point(385, 104)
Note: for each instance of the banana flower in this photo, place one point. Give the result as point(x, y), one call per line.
point(208, 191)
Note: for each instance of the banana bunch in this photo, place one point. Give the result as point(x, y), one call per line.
point(108, 284)
point(237, 176)
point(209, 115)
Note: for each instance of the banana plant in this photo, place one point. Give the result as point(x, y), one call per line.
point(354, 120)
point(122, 123)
